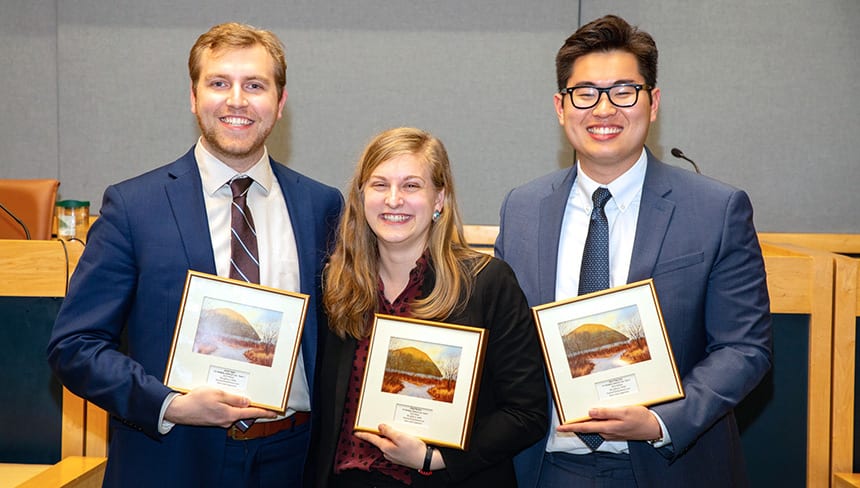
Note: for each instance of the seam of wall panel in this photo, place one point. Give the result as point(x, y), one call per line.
point(57, 82)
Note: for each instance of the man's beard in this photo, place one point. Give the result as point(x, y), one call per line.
point(228, 147)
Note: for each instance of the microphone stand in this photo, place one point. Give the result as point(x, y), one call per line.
point(680, 155)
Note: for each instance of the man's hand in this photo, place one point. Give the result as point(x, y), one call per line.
point(212, 407)
point(635, 423)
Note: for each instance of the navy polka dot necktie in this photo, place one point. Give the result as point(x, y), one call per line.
point(594, 271)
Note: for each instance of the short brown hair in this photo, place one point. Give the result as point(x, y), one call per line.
point(605, 34)
point(235, 35)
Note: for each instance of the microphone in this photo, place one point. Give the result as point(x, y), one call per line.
point(680, 155)
point(23, 226)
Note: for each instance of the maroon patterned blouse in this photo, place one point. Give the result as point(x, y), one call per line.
point(352, 452)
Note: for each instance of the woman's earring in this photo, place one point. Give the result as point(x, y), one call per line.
point(436, 215)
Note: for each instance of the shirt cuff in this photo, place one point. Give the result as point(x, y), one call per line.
point(666, 439)
point(164, 426)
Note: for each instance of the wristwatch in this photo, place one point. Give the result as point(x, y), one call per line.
point(428, 458)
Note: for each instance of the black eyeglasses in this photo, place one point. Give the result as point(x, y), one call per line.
point(622, 95)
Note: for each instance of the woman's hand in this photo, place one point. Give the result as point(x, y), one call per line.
point(401, 448)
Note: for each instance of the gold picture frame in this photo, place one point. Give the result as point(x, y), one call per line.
point(609, 348)
point(422, 378)
point(237, 336)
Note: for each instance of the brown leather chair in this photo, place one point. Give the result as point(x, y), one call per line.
point(32, 202)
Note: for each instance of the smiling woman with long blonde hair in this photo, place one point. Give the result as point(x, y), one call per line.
point(401, 251)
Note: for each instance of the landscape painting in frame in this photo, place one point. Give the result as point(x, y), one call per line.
point(236, 331)
point(608, 348)
point(422, 379)
point(604, 341)
point(421, 369)
point(236, 336)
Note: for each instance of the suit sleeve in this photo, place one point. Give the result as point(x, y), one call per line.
point(499, 246)
point(84, 349)
point(737, 326)
point(513, 403)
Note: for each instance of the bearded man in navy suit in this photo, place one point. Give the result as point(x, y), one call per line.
point(129, 282)
point(694, 236)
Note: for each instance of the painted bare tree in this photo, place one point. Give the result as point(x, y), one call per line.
point(449, 368)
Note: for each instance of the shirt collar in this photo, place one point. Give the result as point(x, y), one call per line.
point(625, 189)
point(215, 174)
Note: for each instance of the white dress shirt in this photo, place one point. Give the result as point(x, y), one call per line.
point(276, 242)
point(622, 213)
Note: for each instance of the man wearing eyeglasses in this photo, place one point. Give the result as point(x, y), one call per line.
point(694, 236)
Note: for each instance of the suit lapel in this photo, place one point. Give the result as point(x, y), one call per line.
point(655, 213)
point(185, 193)
point(549, 229)
point(301, 212)
point(302, 220)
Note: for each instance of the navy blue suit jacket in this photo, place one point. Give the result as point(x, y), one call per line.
point(695, 238)
point(129, 281)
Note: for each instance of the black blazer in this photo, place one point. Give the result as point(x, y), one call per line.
point(512, 402)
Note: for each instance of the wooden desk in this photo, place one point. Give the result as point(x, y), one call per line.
point(846, 480)
point(37, 268)
point(481, 237)
point(846, 309)
point(835, 243)
point(12, 475)
point(845, 313)
point(41, 269)
point(73, 471)
point(800, 281)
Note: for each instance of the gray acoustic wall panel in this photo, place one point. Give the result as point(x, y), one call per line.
point(760, 93)
point(28, 75)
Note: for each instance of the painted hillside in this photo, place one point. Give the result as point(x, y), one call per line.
point(225, 321)
point(592, 336)
point(411, 360)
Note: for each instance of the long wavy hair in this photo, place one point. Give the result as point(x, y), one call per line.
point(350, 280)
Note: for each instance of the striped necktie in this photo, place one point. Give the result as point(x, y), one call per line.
point(244, 258)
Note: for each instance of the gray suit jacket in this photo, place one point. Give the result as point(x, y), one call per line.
point(695, 238)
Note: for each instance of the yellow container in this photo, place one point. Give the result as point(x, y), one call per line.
point(73, 219)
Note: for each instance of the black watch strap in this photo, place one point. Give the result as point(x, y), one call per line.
point(428, 458)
